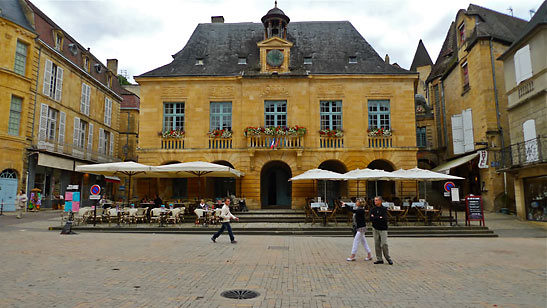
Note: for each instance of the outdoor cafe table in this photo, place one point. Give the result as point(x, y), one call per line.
point(314, 205)
point(325, 213)
point(429, 214)
point(396, 213)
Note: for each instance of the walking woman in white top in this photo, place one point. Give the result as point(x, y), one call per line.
point(359, 215)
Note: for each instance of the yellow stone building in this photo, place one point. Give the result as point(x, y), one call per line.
point(467, 91)
point(274, 99)
point(75, 114)
point(16, 96)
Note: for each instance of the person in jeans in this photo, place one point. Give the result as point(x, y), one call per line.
point(360, 226)
point(226, 216)
point(378, 216)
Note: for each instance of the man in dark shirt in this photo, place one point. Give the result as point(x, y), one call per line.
point(378, 216)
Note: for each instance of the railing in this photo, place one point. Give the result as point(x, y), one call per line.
point(220, 143)
point(380, 142)
point(526, 88)
point(522, 154)
point(275, 142)
point(331, 142)
point(77, 152)
point(172, 143)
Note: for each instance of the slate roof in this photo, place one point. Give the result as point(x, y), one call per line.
point(329, 43)
point(539, 19)
point(492, 24)
point(421, 57)
point(12, 11)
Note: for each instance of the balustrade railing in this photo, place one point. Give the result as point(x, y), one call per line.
point(220, 143)
point(380, 142)
point(331, 142)
point(533, 151)
point(172, 143)
point(275, 142)
point(77, 152)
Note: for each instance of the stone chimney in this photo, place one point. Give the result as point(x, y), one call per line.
point(112, 65)
point(217, 19)
point(387, 58)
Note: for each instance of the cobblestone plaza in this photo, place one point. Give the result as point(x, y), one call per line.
point(46, 269)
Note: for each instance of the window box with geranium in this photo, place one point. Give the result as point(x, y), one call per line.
point(379, 132)
point(172, 133)
point(274, 131)
point(336, 133)
point(220, 133)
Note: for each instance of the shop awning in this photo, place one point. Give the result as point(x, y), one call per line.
point(445, 168)
point(51, 161)
point(112, 179)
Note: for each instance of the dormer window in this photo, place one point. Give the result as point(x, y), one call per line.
point(109, 81)
point(199, 61)
point(352, 60)
point(461, 32)
point(242, 60)
point(58, 36)
point(307, 60)
point(86, 64)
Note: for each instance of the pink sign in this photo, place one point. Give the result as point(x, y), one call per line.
point(75, 206)
point(68, 196)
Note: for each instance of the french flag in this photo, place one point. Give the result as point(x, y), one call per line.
point(272, 145)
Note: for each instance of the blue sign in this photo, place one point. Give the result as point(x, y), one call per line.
point(122, 187)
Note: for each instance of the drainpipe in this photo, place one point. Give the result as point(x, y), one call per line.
point(29, 158)
point(500, 129)
point(444, 115)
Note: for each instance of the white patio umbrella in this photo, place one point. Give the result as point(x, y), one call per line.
point(197, 169)
point(127, 169)
point(371, 174)
point(320, 174)
point(424, 175)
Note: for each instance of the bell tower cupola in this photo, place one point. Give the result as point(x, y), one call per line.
point(275, 23)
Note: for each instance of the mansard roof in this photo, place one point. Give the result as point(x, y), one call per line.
point(12, 11)
point(421, 57)
point(329, 44)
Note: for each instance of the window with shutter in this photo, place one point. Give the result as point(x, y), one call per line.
point(101, 141)
point(47, 77)
point(15, 115)
point(90, 138)
point(111, 150)
point(530, 141)
point(84, 102)
point(62, 121)
point(42, 133)
point(457, 134)
point(523, 64)
point(76, 135)
point(468, 138)
point(107, 111)
point(59, 84)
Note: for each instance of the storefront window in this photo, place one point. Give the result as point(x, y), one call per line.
point(535, 198)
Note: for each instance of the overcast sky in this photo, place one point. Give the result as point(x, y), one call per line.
point(143, 34)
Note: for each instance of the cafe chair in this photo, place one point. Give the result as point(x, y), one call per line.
point(174, 216)
point(81, 215)
point(140, 216)
point(155, 215)
point(332, 216)
point(181, 213)
point(131, 216)
point(113, 215)
point(200, 219)
point(312, 212)
point(404, 216)
point(420, 216)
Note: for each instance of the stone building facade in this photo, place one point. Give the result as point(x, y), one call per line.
point(274, 99)
point(466, 86)
point(525, 158)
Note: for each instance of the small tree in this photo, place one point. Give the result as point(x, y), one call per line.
point(123, 81)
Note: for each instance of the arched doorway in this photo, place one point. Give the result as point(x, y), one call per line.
point(386, 189)
point(8, 189)
point(275, 188)
point(335, 189)
point(221, 187)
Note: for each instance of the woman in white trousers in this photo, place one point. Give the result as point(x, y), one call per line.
point(360, 226)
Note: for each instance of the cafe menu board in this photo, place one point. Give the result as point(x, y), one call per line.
point(474, 212)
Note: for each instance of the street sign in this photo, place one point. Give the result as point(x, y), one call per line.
point(448, 186)
point(95, 189)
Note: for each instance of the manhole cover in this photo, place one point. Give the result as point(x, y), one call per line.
point(239, 294)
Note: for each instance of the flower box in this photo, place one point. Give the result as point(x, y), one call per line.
point(220, 133)
point(331, 133)
point(274, 131)
point(379, 132)
point(172, 133)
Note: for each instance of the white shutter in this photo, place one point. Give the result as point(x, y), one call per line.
point(457, 133)
point(523, 64)
point(530, 141)
point(90, 138)
point(84, 103)
point(62, 121)
point(468, 138)
point(47, 77)
point(87, 99)
point(101, 141)
point(42, 133)
point(76, 136)
point(59, 84)
point(107, 111)
point(82, 99)
point(111, 153)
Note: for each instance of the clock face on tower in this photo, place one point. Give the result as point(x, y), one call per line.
point(274, 58)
